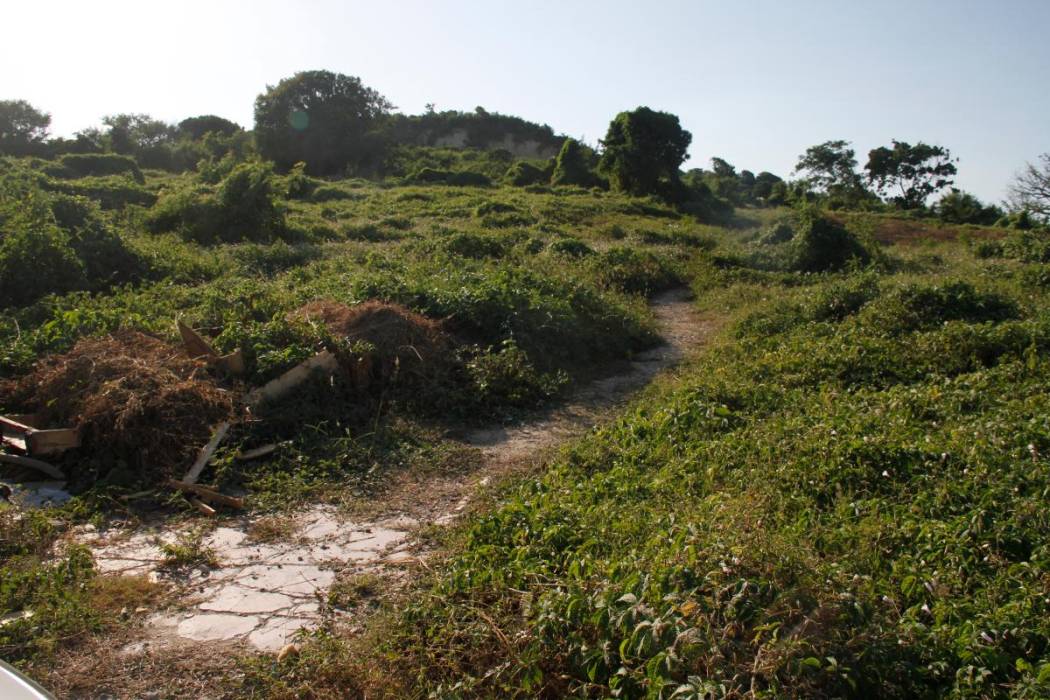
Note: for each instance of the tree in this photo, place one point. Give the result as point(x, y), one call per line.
point(722, 167)
point(131, 134)
point(764, 183)
point(196, 127)
point(324, 119)
point(830, 166)
point(572, 165)
point(915, 172)
point(958, 207)
point(23, 128)
point(643, 151)
point(1030, 189)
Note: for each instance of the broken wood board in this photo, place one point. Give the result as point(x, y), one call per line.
point(207, 494)
point(199, 348)
point(323, 361)
point(232, 363)
point(18, 460)
point(196, 345)
point(203, 507)
point(205, 454)
point(256, 453)
point(18, 432)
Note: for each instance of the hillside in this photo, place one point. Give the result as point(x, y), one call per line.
point(837, 491)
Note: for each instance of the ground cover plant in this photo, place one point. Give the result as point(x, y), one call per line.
point(517, 295)
point(842, 495)
point(842, 498)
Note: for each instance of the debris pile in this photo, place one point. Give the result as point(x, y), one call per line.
point(134, 399)
point(385, 340)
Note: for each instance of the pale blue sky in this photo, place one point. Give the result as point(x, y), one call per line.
point(755, 82)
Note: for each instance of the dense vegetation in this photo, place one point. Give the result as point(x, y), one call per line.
point(845, 498)
point(842, 495)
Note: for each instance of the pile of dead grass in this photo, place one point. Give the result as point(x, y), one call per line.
point(138, 402)
point(384, 342)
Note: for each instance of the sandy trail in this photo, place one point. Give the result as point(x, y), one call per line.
point(264, 592)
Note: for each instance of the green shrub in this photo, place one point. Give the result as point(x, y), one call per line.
point(776, 233)
point(822, 245)
point(330, 193)
point(958, 207)
point(836, 301)
point(111, 192)
point(54, 243)
point(573, 165)
point(268, 259)
point(1018, 220)
point(105, 256)
point(299, 185)
point(573, 247)
point(366, 231)
point(101, 164)
point(1037, 276)
point(915, 307)
point(633, 271)
point(984, 248)
point(1028, 246)
point(502, 215)
point(242, 208)
point(523, 173)
point(36, 259)
point(508, 379)
point(448, 177)
point(475, 245)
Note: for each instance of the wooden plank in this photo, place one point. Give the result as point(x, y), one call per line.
point(256, 452)
point(232, 363)
point(207, 494)
point(276, 388)
point(18, 432)
point(203, 507)
point(18, 442)
point(196, 345)
point(9, 423)
point(42, 442)
point(205, 454)
point(18, 460)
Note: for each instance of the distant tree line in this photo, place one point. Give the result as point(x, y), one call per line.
point(335, 125)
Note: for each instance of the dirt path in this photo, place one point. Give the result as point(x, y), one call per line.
point(264, 591)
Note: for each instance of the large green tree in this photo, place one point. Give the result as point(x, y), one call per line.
point(23, 128)
point(643, 151)
point(196, 127)
point(324, 119)
point(909, 174)
point(830, 166)
point(133, 134)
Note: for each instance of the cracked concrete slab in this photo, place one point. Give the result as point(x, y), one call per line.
point(262, 593)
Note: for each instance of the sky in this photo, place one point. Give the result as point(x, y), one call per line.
point(756, 83)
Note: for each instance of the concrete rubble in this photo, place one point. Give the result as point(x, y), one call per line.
point(263, 593)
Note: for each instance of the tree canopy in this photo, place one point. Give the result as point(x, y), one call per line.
point(23, 128)
point(196, 127)
point(830, 166)
point(643, 151)
point(324, 119)
point(913, 172)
